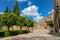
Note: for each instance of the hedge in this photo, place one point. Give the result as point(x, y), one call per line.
point(7, 34)
point(13, 32)
point(25, 31)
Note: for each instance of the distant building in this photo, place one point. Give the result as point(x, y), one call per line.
point(52, 15)
point(36, 25)
point(43, 24)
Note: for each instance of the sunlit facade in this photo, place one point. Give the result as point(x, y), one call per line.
point(43, 24)
point(56, 14)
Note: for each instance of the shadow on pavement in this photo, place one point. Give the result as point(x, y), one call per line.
point(54, 34)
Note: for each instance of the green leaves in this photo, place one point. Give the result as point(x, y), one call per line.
point(50, 23)
point(28, 22)
point(1, 24)
point(9, 19)
point(16, 9)
point(6, 10)
point(20, 21)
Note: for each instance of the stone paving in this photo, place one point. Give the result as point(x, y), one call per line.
point(36, 35)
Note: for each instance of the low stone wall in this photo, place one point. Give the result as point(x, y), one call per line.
point(16, 28)
point(32, 38)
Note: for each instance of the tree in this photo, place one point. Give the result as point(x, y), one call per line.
point(32, 25)
point(50, 24)
point(20, 21)
point(9, 11)
point(9, 20)
point(27, 23)
point(12, 19)
point(16, 9)
point(6, 10)
point(1, 24)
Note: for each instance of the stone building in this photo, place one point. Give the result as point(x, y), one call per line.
point(52, 15)
point(43, 24)
point(36, 25)
point(56, 14)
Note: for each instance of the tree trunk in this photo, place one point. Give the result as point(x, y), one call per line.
point(28, 28)
point(56, 30)
point(20, 28)
point(32, 29)
point(8, 28)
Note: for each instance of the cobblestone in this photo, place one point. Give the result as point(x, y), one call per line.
point(36, 35)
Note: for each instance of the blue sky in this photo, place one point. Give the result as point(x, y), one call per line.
point(33, 9)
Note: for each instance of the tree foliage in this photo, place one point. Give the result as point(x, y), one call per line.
point(1, 24)
point(28, 23)
point(16, 9)
point(9, 19)
point(50, 23)
point(12, 19)
point(20, 21)
point(6, 10)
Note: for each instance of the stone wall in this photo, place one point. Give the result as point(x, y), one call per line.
point(15, 28)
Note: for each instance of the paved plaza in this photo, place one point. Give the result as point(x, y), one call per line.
point(35, 35)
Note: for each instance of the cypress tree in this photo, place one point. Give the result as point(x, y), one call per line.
point(6, 10)
point(16, 9)
point(9, 11)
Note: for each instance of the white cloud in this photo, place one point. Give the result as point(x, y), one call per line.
point(38, 18)
point(29, 3)
point(50, 11)
point(1, 13)
point(32, 11)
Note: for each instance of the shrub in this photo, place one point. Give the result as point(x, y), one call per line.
point(7, 34)
point(26, 31)
point(14, 32)
point(2, 34)
point(23, 31)
point(20, 32)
